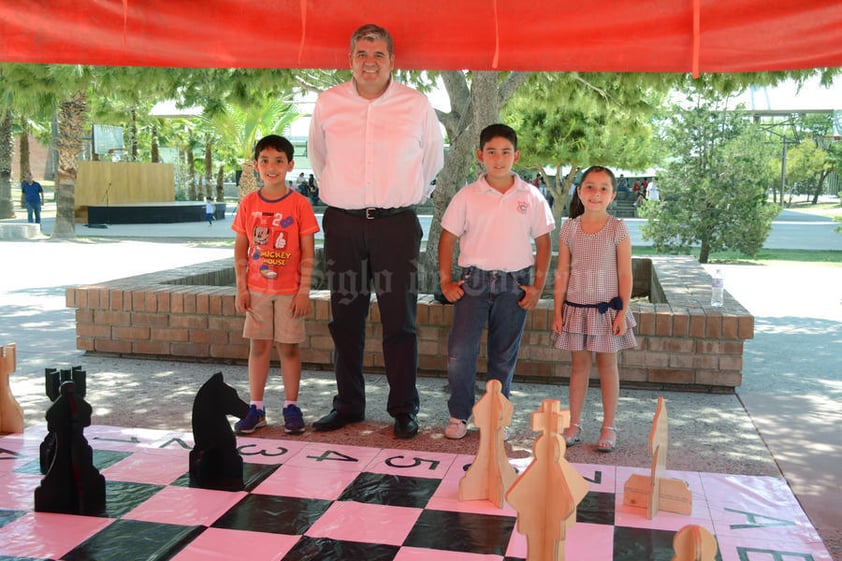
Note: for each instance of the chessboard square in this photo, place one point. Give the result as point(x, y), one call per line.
point(308, 549)
point(132, 439)
point(394, 490)
point(325, 455)
point(218, 544)
point(459, 467)
point(782, 523)
point(746, 492)
point(596, 508)
point(268, 451)
point(422, 554)
point(277, 515)
point(16, 452)
point(291, 481)
point(185, 506)
point(382, 524)
point(101, 459)
point(600, 478)
point(412, 463)
point(146, 468)
point(582, 541)
point(18, 491)
point(737, 548)
point(134, 539)
point(124, 496)
point(44, 535)
point(9, 516)
point(446, 497)
point(636, 517)
point(634, 544)
point(253, 475)
point(459, 531)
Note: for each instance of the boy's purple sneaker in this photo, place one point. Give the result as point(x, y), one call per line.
point(293, 420)
point(255, 419)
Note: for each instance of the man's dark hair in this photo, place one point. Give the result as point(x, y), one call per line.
point(497, 130)
point(371, 32)
point(277, 142)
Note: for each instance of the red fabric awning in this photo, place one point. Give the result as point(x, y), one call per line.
point(595, 35)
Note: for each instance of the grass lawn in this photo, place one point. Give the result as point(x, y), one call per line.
point(734, 257)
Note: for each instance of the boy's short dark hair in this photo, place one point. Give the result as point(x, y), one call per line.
point(497, 130)
point(277, 142)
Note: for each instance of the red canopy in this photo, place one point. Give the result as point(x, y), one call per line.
point(551, 35)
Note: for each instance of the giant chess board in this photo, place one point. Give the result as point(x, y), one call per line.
point(327, 502)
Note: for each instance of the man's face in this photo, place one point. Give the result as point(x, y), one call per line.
point(372, 66)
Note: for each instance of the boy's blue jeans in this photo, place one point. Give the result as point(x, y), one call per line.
point(490, 297)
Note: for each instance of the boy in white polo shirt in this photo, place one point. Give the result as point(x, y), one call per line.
point(495, 220)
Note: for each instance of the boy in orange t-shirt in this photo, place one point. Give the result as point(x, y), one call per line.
point(273, 260)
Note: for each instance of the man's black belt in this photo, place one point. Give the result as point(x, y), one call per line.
point(373, 213)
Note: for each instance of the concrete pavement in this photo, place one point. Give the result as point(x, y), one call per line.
point(784, 419)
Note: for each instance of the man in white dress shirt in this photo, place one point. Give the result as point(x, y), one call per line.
point(375, 146)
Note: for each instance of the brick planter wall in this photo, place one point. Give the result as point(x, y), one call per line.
point(188, 314)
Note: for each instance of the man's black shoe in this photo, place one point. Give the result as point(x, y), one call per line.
point(405, 426)
point(335, 420)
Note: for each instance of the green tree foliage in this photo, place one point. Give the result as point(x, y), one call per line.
point(575, 120)
point(713, 190)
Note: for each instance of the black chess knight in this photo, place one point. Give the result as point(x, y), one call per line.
point(214, 460)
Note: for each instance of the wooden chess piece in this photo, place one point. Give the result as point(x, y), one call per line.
point(214, 460)
point(694, 543)
point(549, 490)
point(490, 474)
point(11, 414)
point(655, 491)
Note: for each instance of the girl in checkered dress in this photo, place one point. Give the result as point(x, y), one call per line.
point(593, 286)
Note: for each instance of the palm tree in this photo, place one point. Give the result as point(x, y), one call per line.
point(241, 127)
point(73, 116)
point(7, 209)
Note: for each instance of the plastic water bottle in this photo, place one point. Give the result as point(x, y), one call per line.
point(717, 287)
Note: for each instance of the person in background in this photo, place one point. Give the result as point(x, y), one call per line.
point(209, 210)
point(274, 253)
point(495, 219)
point(375, 146)
point(593, 287)
point(652, 192)
point(33, 198)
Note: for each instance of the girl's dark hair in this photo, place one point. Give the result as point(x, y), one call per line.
point(576, 206)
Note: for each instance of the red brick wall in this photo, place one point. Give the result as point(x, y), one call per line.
point(188, 314)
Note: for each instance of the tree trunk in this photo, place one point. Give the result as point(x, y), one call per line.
point(7, 206)
point(191, 175)
point(220, 184)
point(73, 113)
point(704, 251)
point(133, 134)
point(155, 154)
point(820, 186)
point(482, 109)
point(208, 165)
point(24, 164)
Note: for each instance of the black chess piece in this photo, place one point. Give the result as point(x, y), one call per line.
point(53, 379)
point(214, 460)
point(72, 485)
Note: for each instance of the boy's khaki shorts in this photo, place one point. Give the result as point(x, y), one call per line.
point(270, 318)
